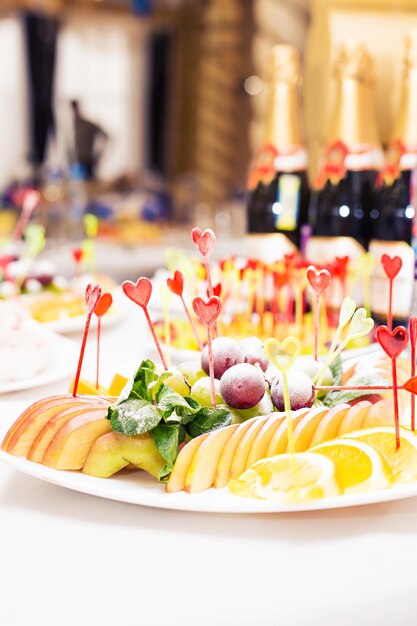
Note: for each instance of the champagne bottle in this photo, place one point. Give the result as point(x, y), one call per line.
point(343, 199)
point(393, 216)
point(278, 186)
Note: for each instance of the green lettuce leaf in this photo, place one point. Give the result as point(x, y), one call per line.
point(167, 440)
point(134, 417)
point(208, 419)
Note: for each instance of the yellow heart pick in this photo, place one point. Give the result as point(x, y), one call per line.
point(360, 324)
point(346, 311)
point(282, 354)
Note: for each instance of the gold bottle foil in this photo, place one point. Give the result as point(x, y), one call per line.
point(282, 126)
point(354, 121)
point(405, 128)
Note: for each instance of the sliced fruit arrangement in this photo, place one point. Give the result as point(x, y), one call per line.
point(363, 460)
point(263, 437)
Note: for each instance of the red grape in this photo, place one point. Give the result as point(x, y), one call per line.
point(226, 353)
point(300, 387)
point(242, 386)
point(253, 352)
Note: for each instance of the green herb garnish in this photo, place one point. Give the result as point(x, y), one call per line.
point(147, 404)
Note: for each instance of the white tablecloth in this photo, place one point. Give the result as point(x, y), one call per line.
point(68, 559)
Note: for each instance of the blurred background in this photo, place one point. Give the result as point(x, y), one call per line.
point(148, 113)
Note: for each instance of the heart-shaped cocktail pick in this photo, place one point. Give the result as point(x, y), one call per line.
point(30, 201)
point(413, 339)
point(319, 282)
point(140, 293)
point(205, 242)
point(282, 355)
point(92, 297)
point(392, 267)
point(360, 325)
point(393, 342)
point(176, 285)
point(101, 308)
point(207, 312)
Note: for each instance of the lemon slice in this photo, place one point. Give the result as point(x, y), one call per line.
point(359, 466)
point(403, 462)
point(289, 479)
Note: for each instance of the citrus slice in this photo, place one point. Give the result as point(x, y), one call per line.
point(359, 466)
point(289, 479)
point(403, 462)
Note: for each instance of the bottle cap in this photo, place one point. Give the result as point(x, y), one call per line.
point(353, 61)
point(284, 65)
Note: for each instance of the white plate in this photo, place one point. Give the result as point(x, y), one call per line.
point(62, 361)
point(140, 488)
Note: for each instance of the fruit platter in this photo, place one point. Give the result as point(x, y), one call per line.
point(254, 425)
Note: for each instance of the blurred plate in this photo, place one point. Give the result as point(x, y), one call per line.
point(62, 356)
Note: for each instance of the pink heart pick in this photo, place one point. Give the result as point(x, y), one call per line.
point(140, 292)
point(92, 296)
point(319, 280)
point(393, 342)
point(391, 265)
point(207, 311)
point(103, 304)
point(204, 241)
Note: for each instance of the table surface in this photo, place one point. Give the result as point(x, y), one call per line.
point(70, 559)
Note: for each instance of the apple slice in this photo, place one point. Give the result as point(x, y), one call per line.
point(244, 446)
point(279, 439)
point(22, 433)
point(380, 414)
point(330, 424)
point(113, 451)
point(222, 474)
point(201, 471)
point(261, 443)
point(45, 436)
point(176, 481)
point(306, 427)
point(354, 418)
point(70, 446)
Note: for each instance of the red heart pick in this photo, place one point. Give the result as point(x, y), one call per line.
point(204, 241)
point(391, 265)
point(92, 296)
point(412, 326)
point(139, 293)
point(319, 281)
point(77, 254)
point(411, 385)
point(176, 284)
point(103, 304)
point(392, 342)
point(217, 290)
point(207, 311)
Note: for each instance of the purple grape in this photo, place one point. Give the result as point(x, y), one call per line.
point(253, 352)
point(242, 386)
point(301, 391)
point(226, 353)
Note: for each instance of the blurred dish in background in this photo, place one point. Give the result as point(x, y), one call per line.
point(30, 354)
